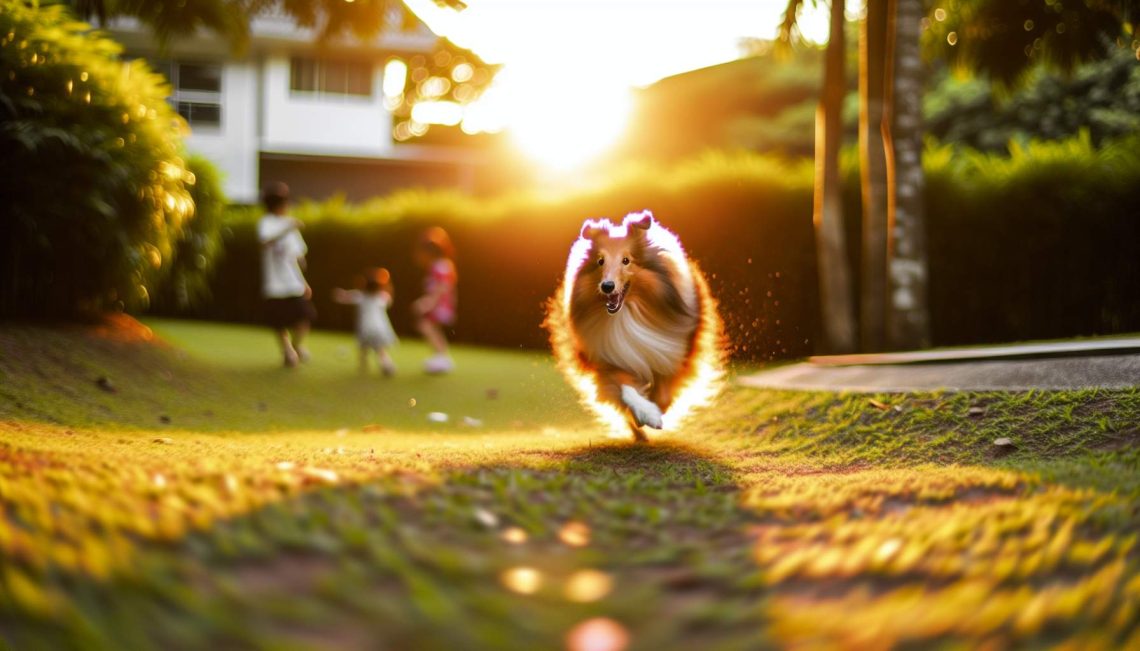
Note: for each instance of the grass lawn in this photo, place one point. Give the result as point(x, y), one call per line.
point(185, 492)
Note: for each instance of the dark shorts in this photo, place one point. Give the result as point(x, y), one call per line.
point(281, 313)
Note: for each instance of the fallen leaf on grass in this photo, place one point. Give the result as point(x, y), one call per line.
point(884, 406)
point(372, 428)
point(320, 474)
point(437, 417)
point(975, 411)
point(163, 439)
point(575, 534)
point(486, 518)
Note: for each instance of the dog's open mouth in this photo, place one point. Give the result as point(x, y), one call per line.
point(616, 299)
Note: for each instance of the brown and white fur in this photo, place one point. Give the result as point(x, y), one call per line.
point(630, 316)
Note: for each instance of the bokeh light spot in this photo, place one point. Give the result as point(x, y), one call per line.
point(598, 634)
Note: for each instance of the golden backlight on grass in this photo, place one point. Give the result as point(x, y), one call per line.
point(575, 534)
point(514, 535)
point(585, 586)
point(523, 580)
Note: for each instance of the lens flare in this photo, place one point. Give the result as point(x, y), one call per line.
point(704, 376)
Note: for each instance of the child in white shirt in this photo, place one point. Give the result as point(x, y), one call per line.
point(373, 329)
point(287, 306)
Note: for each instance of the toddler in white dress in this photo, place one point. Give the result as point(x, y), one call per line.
point(373, 329)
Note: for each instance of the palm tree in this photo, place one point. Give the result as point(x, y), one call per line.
point(827, 207)
point(873, 174)
point(1001, 38)
point(908, 314)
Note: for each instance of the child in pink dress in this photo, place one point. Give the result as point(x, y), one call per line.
point(435, 310)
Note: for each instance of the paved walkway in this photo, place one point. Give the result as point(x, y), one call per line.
point(1107, 363)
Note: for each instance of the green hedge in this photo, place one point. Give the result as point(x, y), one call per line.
point(1041, 243)
point(1045, 243)
point(93, 190)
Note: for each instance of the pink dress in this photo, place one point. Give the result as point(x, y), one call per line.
point(442, 273)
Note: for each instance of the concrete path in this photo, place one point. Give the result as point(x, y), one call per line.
point(1107, 363)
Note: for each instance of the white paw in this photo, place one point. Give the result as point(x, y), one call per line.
point(644, 412)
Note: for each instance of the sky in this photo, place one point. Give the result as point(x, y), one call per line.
point(565, 92)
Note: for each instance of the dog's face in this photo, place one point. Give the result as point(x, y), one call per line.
point(613, 264)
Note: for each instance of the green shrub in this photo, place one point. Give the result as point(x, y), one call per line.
point(1043, 243)
point(1102, 97)
point(93, 190)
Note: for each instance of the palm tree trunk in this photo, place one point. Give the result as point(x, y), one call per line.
point(827, 212)
point(908, 321)
point(873, 175)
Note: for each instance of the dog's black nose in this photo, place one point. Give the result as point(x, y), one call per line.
point(608, 287)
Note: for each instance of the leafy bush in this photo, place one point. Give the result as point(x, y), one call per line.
point(93, 190)
point(1102, 97)
point(1043, 243)
point(194, 255)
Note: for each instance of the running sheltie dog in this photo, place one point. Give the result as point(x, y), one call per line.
point(634, 326)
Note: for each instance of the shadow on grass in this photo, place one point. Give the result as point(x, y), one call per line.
point(648, 535)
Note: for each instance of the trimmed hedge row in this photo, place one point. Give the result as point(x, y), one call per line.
point(1044, 243)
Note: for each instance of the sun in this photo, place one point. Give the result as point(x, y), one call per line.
point(565, 93)
point(557, 119)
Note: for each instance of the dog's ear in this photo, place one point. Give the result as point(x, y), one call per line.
point(640, 222)
point(591, 231)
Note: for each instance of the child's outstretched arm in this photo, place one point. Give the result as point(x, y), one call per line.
point(346, 296)
point(268, 239)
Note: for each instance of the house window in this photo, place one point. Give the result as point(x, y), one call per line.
point(325, 77)
point(196, 91)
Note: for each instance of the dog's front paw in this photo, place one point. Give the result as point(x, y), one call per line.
point(644, 412)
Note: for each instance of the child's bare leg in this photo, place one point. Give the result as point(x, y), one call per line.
point(387, 366)
point(434, 335)
point(363, 350)
point(287, 350)
point(299, 332)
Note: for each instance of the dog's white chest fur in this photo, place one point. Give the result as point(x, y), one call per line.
point(628, 342)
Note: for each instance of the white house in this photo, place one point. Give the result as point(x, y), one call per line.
point(288, 110)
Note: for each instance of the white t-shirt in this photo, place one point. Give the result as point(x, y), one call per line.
point(281, 275)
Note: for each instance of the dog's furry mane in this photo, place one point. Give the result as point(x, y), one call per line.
point(670, 326)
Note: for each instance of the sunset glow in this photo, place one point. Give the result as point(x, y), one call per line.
point(564, 94)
